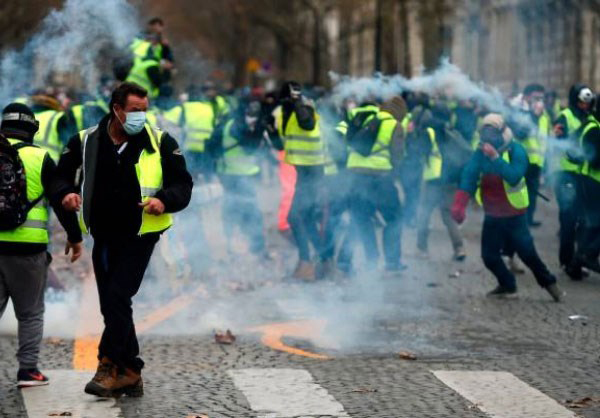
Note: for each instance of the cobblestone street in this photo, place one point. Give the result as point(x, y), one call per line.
point(332, 348)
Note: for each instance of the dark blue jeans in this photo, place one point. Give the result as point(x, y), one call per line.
point(513, 232)
point(372, 194)
point(568, 196)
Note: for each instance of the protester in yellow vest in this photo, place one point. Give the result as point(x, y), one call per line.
point(235, 146)
point(373, 187)
point(24, 234)
point(298, 134)
point(567, 128)
point(496, 174)
point(588, 250)
point(133, 177)
point(54, 127)
point(441, 173)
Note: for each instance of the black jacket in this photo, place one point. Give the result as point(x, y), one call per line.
point(305, 115)
point(114, 201)
point(68, 222)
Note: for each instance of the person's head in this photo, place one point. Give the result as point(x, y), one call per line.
point(290, 92)
point(395, 106)
point(128, 104)
point(581, 98)
point(533, 94)
point(156, 25)
point(18, 121)
point(209, 89)
point(494, 131)
point(252, 111)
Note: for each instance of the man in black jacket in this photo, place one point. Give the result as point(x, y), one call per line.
point(24, 258)
point(133, 178)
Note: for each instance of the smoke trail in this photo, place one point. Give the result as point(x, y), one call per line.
point(71, 40)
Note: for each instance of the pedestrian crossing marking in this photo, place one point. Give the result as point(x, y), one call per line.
point(285, 393)
point(502, 395)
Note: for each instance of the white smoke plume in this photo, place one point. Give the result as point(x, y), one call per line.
point(73, 40)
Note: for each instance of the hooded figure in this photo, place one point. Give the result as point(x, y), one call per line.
point(495, 174)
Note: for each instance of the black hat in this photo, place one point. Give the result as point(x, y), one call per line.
point(18, 118)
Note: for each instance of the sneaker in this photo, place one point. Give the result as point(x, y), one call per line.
point(30, 377)
point(575, 273)
point(555, 292)
point(501, 292)
point(305, 270)
point(394, 271)
point(460, 255)
point(325, 270)
point(590, 263)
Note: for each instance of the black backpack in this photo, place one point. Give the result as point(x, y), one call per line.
point(14, 205)
point(362, 132)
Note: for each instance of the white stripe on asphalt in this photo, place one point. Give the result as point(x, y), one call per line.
point(65, 394)
point(503, 395)
point(283, 393)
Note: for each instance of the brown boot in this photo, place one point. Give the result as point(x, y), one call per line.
point(305, 270)
point(108, 383)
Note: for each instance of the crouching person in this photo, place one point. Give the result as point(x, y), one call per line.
point(26, 176)
point(496, 173)
point(133, 178)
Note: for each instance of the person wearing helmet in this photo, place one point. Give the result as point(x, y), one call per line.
point(567, 129)
point(24, 258)
point(495, 175)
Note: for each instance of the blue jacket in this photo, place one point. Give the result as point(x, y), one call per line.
point(512, 172)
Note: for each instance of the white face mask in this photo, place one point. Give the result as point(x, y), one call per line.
point(134, 122)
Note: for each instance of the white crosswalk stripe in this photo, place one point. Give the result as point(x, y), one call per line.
point(503, 395)
point(283, 393)
point(65, 394)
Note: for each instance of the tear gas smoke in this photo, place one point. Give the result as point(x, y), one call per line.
point(72, 40)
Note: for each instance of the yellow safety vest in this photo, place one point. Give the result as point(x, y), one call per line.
point(517, 195)
point(150, 178)
point(235, 160)
point(197, 120)
point(586, 170)
point(405, 122)
point(142, 48)
point(380, 157)
point(139, 75)
point(536, 145)
point(35, 228)
point(433, 167)
point(47, 135)
point(79, 109)
point(573, 124)
point(304, 148)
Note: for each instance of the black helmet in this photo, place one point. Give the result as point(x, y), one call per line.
point(17, 118)
point(290, 90)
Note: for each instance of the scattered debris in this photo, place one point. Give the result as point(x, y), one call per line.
point(54, 340)
point(405, 355)
point(432, 284)
point(363, 390)
point(582, 403)
point(196, 416)
point(224, 338)
point(60, 414)
point(474, 406)
point(579, 318)
point(455, 275)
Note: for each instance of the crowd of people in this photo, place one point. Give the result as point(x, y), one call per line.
point(118, 163)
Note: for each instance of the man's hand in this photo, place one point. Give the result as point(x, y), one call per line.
point(71, 202)
point(458, 211)
point(153, 206)
point(489, 151)
point(558, 130)
point(75, 249)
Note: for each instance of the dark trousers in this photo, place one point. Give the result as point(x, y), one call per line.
point(513, 232)
point(589, 244)
point(372, 194)
point(568, 196)
point(119, 267)
point(338, 236)
point(532, 180)
point(306, 214)
point(240, 208)
point(411, 175)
